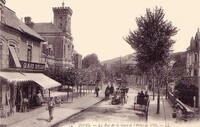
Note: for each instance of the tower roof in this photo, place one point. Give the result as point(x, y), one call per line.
point(63, 10)
point(197, 36)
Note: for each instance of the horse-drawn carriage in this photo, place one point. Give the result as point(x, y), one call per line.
point(141, 103)
point(120, 96)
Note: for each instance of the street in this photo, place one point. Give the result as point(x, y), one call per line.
point(105, 112)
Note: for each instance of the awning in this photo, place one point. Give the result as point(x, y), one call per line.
point(42, 80)
point(13, 76)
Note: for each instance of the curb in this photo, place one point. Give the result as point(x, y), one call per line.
point(65, 119)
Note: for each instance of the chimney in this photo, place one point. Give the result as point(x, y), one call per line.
point(2, 2)
point(28, 21)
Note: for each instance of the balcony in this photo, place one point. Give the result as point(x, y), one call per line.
point(32, 65)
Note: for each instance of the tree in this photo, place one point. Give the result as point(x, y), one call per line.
point(152, 43)
point(90, 60)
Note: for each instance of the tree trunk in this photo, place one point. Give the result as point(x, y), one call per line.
point(166, 90)
point(153, 83)
point(67, 93)
point(158, 101)
point(80, 90)
point(72, 93)
point(77, 91)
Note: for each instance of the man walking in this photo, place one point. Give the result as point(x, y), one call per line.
point(50, 108)
point(97, 91)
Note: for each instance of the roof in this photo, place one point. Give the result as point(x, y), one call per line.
point(46, 28)
point(12, 21)
point(197, 35)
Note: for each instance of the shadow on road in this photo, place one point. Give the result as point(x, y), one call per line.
point(42, 119)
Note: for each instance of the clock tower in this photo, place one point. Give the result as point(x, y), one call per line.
point(62, 18)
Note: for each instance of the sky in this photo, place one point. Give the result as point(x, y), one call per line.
point(99, 26)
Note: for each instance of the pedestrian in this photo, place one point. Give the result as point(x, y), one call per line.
point(97, 91)
point(150, 85)
point(146, 98)
point(50, 108)
point(146, 88)
point(111, 89)
point(107, 92)
point(142, 97)
point(25, 104)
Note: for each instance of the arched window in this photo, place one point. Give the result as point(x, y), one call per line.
point(29, 53)
point(60, 25)
point(196, 58)
point(0, 15)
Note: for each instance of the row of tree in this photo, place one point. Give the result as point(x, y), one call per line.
point(81, 78)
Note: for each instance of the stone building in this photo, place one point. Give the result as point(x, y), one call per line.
point(193, 51)
point(77, 59)
point(21, 65)
point(60, 48)
point(193, 67)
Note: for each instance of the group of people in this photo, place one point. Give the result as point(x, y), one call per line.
point(109, 91)
point(142, 98)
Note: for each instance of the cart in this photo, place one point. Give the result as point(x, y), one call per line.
point(142, 105)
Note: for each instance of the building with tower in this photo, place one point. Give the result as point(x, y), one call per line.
point(58, 49)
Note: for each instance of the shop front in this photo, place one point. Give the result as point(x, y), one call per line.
point(20, 92)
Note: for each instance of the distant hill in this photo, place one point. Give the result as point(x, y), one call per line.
point(177, 54)
point(111, 61)
point(126, 58)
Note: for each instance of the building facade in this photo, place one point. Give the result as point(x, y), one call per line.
point(21, 66)
point(193, 51)
point(59, 48)
point(193, 67)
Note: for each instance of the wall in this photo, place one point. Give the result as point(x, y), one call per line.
point(11, 36)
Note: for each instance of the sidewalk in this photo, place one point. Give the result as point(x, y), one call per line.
point(164, 118)
point(39, 117)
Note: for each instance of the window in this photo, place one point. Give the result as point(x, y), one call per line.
point(64, 50)
point(60, 25)
point(1, 52)
point(195, 72)
point(13, 59)
point(196, 58)
point(29, 54)
point(190, 72)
